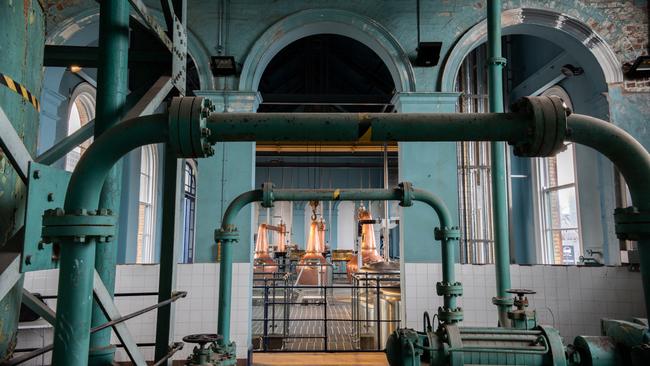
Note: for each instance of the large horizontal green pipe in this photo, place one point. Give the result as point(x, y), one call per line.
point(77, 264)
point(296, 127)
point(632, 160)
point(225, 272)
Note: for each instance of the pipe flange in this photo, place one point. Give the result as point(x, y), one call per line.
point(547, 129)
point(449, 289)
point(78, 226)
point(231, 235)
point(188, 133)
point(503, 301)
point(632, 224)
point(447, 233)
point(499, 61)
point(447, 315)
point(224, 354)
point(407, 194)
point(267, 195)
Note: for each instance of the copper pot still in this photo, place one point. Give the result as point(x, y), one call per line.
point(368, 246)
point(262, 258)
point(312, 268)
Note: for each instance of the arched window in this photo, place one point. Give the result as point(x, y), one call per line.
point(189, 211)
point(81, 111)
point(146, 206)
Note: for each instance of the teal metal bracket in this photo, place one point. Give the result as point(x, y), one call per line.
point(46, 188)
point(632, 224)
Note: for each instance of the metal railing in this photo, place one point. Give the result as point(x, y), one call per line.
point(280, 299)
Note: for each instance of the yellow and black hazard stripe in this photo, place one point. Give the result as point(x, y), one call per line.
point(20, 90)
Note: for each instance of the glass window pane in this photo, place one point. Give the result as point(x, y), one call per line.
point(565, 168)
point(562, 210)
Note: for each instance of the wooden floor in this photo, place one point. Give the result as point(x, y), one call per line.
point(320, 359)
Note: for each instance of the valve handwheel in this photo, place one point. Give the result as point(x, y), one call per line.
point(202, 339)
point(520, 291)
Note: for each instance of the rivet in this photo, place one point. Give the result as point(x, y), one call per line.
point(50, 197)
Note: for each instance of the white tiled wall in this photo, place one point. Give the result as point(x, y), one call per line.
point(573, 299)
point(196, 313)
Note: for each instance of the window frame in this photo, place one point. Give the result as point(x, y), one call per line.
point(145, 250)
point(544, 245)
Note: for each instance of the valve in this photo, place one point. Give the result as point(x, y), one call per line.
point(521, 317)
point(201, 355)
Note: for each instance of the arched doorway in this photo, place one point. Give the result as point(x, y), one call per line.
point(329, 64)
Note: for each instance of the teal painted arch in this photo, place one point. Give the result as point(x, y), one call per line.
point(327, 21)
point(561, 29)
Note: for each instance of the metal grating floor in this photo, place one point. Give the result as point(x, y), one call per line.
point(340, 333)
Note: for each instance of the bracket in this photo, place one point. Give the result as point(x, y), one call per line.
point(179, 56)
point(46, 190)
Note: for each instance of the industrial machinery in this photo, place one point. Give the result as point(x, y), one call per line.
point(368, 248)
point(210, 355)
point(450, 344)
point(621, 343)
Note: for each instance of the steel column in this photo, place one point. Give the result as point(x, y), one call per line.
point(170, 244)
point(112, 81)
point(498, 159)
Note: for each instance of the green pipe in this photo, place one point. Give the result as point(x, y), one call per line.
point(632, 160)
point(225, 266)
point(227, 225)
point(496, 62)
point(112, 88)
point(77, 263)
point(381, 127)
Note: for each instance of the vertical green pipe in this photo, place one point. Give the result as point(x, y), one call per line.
point(112, 88)
point(498, 156)
point(225, 291)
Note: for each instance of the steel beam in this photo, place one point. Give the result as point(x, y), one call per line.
point(61, 148)
point(13, 147)
point(10, 276)
point(39, 307)
point(496, 62)
point(145, 106)
point(143, 12)
point(544, 78)
point(171, 242)
point(105, 300)
point(88, 56)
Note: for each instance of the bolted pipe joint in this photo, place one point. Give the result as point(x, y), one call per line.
point(450, 315)
point(227, 235)
point(547, 128)
point(80, 225)
point(267, 195)
point(188, 132)
point(407, 194)
point(632, 224)
point(446, 233)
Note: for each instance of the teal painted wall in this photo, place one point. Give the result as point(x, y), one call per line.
point(429, 166)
